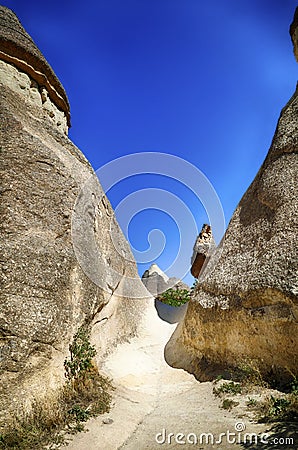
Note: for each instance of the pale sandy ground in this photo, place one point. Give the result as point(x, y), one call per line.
point(151, 396)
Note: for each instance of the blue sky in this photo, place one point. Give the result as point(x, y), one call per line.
point(204, 81)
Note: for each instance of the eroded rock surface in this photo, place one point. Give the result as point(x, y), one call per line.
point(46, 293)
point(18, 49)
point(246, 309)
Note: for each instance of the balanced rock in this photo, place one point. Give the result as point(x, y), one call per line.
point(203, 248)
point(245, 309)
point(60, 267)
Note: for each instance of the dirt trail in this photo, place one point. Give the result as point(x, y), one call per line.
point(151, 397)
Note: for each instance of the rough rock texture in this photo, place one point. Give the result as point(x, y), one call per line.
point(18, 48)
point(203, 248)
point(246, 308)
point(157, 282)
point(45, 294)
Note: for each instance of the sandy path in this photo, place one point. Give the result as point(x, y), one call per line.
point(151, 397)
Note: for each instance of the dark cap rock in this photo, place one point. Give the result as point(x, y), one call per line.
point(18, 48)
point(202, 250)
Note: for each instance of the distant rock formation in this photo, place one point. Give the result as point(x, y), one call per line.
point(246, 308)
point(157, 282)
point(203, 248)
point(45, 295)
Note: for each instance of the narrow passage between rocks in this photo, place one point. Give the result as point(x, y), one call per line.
point(153, 400)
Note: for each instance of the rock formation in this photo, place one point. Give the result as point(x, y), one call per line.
point(245, 310)
point(203, 248)
point(157, 282)
point(46, 293)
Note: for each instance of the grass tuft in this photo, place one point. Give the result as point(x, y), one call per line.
point(229, 404)
point(278, 408)
point(229, 387)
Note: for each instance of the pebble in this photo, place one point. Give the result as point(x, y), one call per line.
point(107, 421)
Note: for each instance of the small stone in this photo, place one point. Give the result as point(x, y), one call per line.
point(107, 421)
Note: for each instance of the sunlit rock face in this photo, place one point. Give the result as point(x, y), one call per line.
point(45, 294)
point(157, 282)
point(245, 310)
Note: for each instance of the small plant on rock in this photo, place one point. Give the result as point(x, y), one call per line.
point(251, 402)
point(249, 374)
point(229, 404)
point(230, 388)
point(88, 392)
point(81, 354)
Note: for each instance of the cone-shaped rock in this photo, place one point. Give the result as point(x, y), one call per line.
point(18, 48)
point(64, 261)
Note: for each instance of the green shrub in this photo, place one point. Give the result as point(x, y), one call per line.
point(252, 402)
point(229, 404)
point(86, 392)
point(81, 354)
point(230, 388)
point(218, 378)
point(294, 386)
point(278, 409)
point(175, 297)
point(282, 408)
point(248, 373)
point(277, 406)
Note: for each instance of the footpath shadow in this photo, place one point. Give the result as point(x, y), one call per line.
point(170, 314)
point(281, 436)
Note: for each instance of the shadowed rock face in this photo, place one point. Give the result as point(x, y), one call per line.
point(246, 308)
point(45, 295)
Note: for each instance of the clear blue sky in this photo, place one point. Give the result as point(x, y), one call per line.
point(204, 81)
